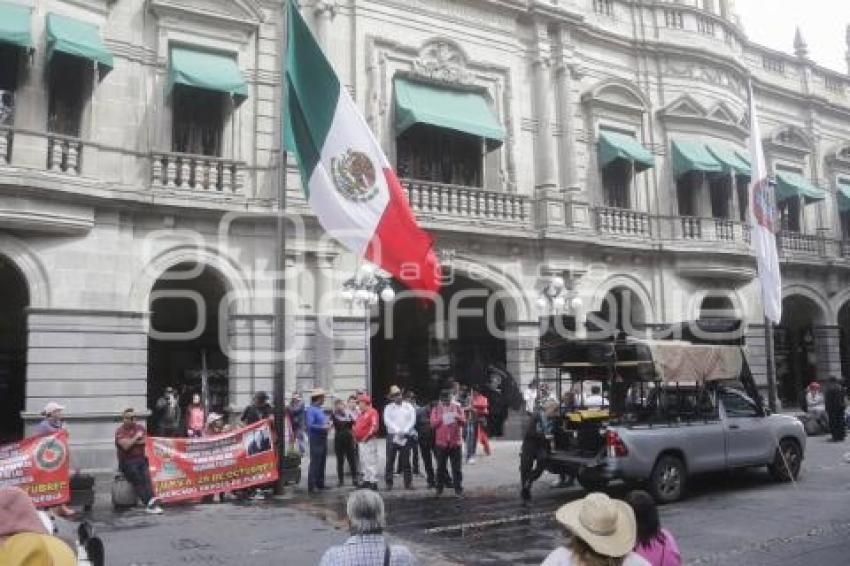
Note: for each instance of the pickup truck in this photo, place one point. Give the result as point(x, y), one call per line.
point(684, 431)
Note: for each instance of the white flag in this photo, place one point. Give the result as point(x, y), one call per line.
point(763, 220)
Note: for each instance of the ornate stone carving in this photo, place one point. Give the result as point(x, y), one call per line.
point(442, 61)
point(705, 74)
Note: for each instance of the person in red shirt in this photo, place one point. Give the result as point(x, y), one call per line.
point(481, 409)
point(130, 443)
point(447, 421)
point(195, 415)
point(365, 432)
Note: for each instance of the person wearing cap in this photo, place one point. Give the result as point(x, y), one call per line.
point(447, 421)
point(317, 424)
point(400, 421)
point(365, 433)
point(601, 531)
point(167, 414)
point(130, 444)
point(51, 423)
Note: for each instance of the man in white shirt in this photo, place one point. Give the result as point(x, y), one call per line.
point(530, 397)
point(595, 400)
point(400, 421)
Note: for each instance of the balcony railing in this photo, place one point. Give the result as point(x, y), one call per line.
point(64, 154)
point(691, 227)
point(724, 230)
point(801, 244)
point(455, 200)
point(197, 173)
point(622, 222)
point(6, 135)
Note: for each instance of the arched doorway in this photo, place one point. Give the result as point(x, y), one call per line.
point(795, 346)
point(621, 311)
point(185, 337)
point(425, 345)
point(14, 299)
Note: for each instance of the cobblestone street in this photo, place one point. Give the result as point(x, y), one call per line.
point(738, 518)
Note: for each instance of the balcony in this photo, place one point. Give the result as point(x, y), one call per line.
point(64, 154)
point(6, 136)
point(437, 200)
point(622, 222)
point(794, 244)
point(197, 173)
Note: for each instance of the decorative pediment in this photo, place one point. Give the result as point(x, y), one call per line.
point(234, 11)
point(442, 60)
point(619, 94)
point(790, 139)
point(685, 105)
point(840, 155)
point(722, 113)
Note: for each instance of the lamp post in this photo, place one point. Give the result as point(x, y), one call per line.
point(556, 299)
point(366, 289)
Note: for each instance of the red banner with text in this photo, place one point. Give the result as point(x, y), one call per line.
point(188, 468)
point(39, 466)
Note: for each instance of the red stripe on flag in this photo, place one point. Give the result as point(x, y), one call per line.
point(400, 246)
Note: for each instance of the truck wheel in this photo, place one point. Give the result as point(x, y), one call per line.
point(787, 461)
point(668, 479)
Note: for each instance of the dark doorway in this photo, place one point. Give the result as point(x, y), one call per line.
point(795, 347)
point(844, 326)
point(13, 350)
point(621, 313)
point(421, 351)
point(177, 361)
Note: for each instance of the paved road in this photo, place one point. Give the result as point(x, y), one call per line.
point(740, 518)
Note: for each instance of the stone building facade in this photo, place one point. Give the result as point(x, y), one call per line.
point(131, 188)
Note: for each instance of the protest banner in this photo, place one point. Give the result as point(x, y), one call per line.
point(189, 468)
point(39, 466)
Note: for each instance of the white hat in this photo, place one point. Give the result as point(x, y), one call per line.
point(212, 417)
point(51, 408)
point(607, 525)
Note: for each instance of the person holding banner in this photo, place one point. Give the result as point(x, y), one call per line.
point(52, 423)
point(130, 444)
point(317, 424)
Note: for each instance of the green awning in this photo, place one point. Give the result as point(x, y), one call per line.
point(691, 155)
point(15, 25)
point(208, 70)
point(77, 38)
point(790, 185)
point(613, 146)
point(730, 160)
point(844, 195)
point(462, 111)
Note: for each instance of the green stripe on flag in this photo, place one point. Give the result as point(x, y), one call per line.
point(312, 95)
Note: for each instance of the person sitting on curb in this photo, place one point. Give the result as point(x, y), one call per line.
point(367, 545)
point(130, 444)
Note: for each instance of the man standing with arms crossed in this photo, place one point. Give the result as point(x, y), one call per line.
point(400, 420)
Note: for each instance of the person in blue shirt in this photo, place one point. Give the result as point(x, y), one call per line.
point(317, 424)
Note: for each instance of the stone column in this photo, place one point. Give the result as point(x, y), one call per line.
point(324, 10)
point(578, 208)
point(292, 338)
point(828, 348)
point(323, 345)
point(521, 340)
point(251, 369)
point(543, 152)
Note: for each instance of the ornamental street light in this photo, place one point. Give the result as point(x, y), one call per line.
point(556, 299)
point(366, 289)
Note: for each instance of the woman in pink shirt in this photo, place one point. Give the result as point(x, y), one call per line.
point(654, 544)
point(195, 417)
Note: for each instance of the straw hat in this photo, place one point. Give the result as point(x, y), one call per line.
point(608, 526)
point(394, 390)
point(319, 392)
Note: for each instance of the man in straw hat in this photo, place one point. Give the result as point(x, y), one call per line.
point(601, 530)
point(400, 420)
point(317, 424)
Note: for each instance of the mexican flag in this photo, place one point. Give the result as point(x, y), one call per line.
point(348, 181)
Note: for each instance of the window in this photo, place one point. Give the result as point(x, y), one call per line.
point(616, 180)
point(737, 405)
point(789, 215)
point(686, 189)
point(604, 7)
point(10, 58)
point(430, 153)
point(674, 19)
point(70, 83)
point(773, 65)
point(743, 187)
point(198, 120)
point(720, 189)
point(845, 225)
point(706, 26)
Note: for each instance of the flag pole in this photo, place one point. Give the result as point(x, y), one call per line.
point(279, 388)
point(771, 365)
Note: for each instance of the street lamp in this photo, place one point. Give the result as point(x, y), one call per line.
point(556, 299)
point(366, 289)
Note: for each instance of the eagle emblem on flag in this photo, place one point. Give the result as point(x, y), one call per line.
point(354, 176)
